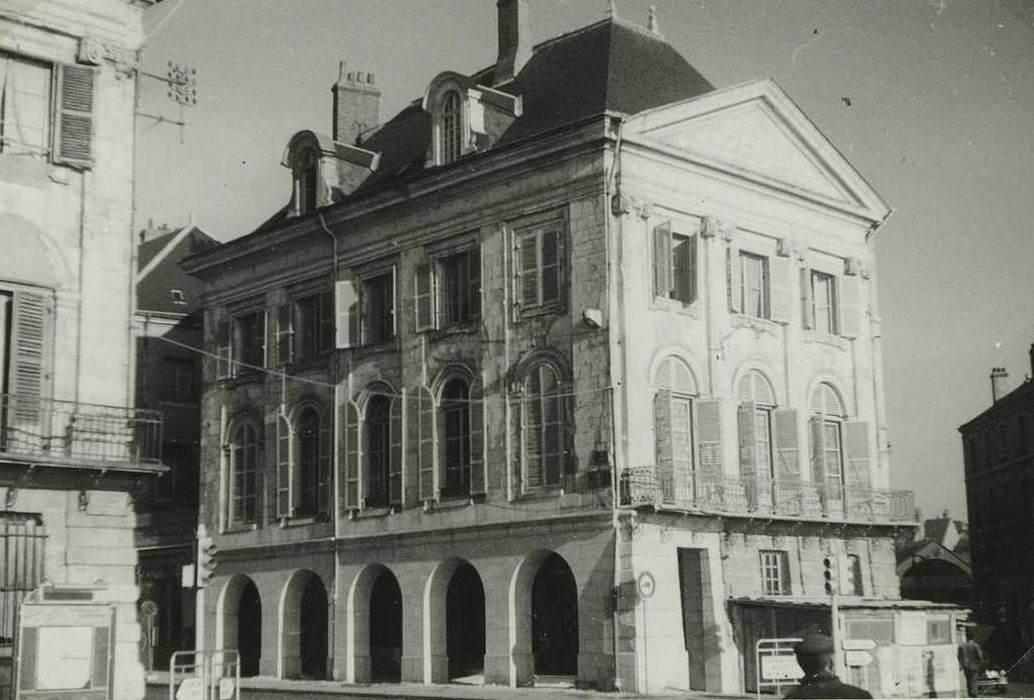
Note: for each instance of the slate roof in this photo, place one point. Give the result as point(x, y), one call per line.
point(154, 291)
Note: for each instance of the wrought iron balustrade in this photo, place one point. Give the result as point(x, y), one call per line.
point(45, 431)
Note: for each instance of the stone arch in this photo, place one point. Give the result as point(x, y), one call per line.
point(454, 622)
point(239, 622)
point(31, 256)
point(304, 622)
point(542, 642)
point(375, 587)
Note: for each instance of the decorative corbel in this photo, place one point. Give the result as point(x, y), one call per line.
point(92, 52)
point(786, 247)
point(853, 267)
point(643, 209)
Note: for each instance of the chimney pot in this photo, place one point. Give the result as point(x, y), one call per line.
point(998, 377)
point(514, 39)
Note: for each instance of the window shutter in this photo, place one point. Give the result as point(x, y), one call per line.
point(423, 299)
point(850, 308)
point(780, 293)
point(284, 334)
point(478, 477)
point(691, 267)
point(323, 474)
point(326, 310)
point(856, 447)
point(395, 467)
point(284, 476)
point(427, 444)
point(818, 451)
point(785, 582)
point(101, 643)
point(223, 351)
point(807, 307)
point(709, 436)
point(662, 431)
point(784, 425)
point(27, 650)
point(392, 313)
point(352, 455)
point(346, 311)
point(748, 440)
point(474, 290)
point(663, 270)
point(73, 132)
point(528, 272)
point(552, 265)
point(531, 438)
point(31, 350)
point(735, 279)
point(566, 409)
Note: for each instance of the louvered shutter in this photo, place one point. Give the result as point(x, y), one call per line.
point(662, 431)
point(552, 265)
point(784, 424)
point(856, 448)
point(531, 438)
point(663, 270)
point(784, 574)
point(478, 477)
point(566, 408)
point(352, 455)
point(392, 305)
point(735, 279)
point(326, 320)
point(818, 450)
point(527, 271)
point(73, 131)
point(748, 440)
point(395, 466)
point(709, 436)
point(101, 645)
point(28, 644)
point(346, 312)
point(807, 307)
point(323, 473)
point(284, 471)
point(691, 267)
point(284, 334)
point(423, 298)
point(780, 292)
point(427, 444)
point(223, 351)
point(849, 307)
point(31, 349)
point(474, 290)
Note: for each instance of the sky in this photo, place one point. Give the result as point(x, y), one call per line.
point(931, 100)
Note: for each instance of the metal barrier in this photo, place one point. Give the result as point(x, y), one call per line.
point(210, 674)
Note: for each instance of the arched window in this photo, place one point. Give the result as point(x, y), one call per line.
point(455, 438)
point(673, 419)
point(378, 451)
point(757, 400)
point(307, 434)
point(827, 440)
point(243, 464)
point(306, 181)
point(452, 127)
point(543, 427)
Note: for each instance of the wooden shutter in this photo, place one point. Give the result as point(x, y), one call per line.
point(323, 468)
point(284, 475)
point(848, 300)
point(284, 334)
point(709, 436)
point(28, 645)
point(662, 431)
point(101, 645)
point(691, 267)
point(397, 442)
point(31, 349)
point(663, 268)
point(748, 440)
point(528, 270)
point(784, 425)
point(427, 444)
point(735, 279)
point(856, 450)
point(353, 455)
point(423, 298)
point(474, 289)
point(818, 450)
point(780, 289)
point(391, 306)
point(531, 438)
point(73, 129)
point(346, 311)
point(786, 587)
point(223, 351)
point(807, 306)
point(566, 408)
point(478, 477)
point(325, 341)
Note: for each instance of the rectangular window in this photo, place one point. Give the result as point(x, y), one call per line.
point(775, 572)
point(851, 584)
point(179, 379)
point(683, 264)
point(831, 445)
point(313, 325)
point(459, 288)
point(823, 303)
point(24, 106)
point(938, 630)
point(879, 631)
point(248, 342)
point(754, 285)
point(763, 442)
point(682, 440)
point(539, 267)
point(377, 296)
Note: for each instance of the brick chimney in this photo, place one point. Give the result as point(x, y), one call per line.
point(998, 377)
point(357, 105)
point(514, 39)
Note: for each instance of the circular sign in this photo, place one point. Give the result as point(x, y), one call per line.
point(646, 584)
point(149, 608)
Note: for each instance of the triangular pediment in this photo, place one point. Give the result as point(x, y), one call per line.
point(755, 131)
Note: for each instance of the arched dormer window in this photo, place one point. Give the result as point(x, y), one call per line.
point(451, 138)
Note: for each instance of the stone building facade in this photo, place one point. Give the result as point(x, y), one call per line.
point(73, 449)
point(570, 369)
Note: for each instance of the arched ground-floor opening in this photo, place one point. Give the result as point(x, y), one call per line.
point(465, 625)
point(240, 622)
point(554, 619)
point(385, 629)
point(304, 616)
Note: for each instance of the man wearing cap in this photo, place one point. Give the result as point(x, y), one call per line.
point(815, 657)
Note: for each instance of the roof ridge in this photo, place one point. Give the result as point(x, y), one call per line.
point(164, 252)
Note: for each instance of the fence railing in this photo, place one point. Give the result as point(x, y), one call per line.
point(42, 429)
point(665, 488)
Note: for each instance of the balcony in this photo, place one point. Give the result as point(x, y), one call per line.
point(662, 489)
point(46, 432)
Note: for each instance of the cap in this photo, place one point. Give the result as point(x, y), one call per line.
point(814, 644)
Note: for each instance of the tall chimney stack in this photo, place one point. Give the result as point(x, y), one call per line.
point(357, 105)
point(998, 377)
point(514, 39)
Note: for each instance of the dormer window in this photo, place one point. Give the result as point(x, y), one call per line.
point(452, 127)
point(306, 181)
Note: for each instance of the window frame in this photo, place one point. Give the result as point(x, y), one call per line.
point(552, 226)
point(175, 387)
point(382, 499)
point(390, 325)
point(764, 289)
point(46, 151)
point(469, 292)
point(452, 125)
point(461, 409)
point(320, 326)
point(775, 561)
point(236, 474)
point(241, 367)
point(831, 316)
point(306, 180)
point(560, 425)
point(306, 462)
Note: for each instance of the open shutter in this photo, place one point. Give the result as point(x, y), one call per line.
point(73, 131)
point(28, 645)
point(100, 661)
point(31, 350)
point(423, 298)
point(323, 474)
point(531, 442)
point(735, 279)
point(748, 440)
point(352, 455)
point(663, 269)
point(223, 351)
point(807, 307)
point(427, 444)
point(850, 313)
point(527, 271)
point(392, 305)
point(474, 289)
point(566, 408)
point(709, 436)
point(284, 476)
point(284, 334)
point(856, 448)
point(691, 252)
point(818, 450)
point(662, 431)
point(780, 280)
point(784, 574)
point(395, 466)
point(346, 311)
point(477, 440)
point(326, 311)
point(552, 279)
point(784, 423)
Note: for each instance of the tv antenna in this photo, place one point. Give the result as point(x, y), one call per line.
point(181, 89)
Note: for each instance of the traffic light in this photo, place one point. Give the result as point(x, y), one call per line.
point(829, 564)
point(206, 551)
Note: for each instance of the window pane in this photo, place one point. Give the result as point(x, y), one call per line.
point(550, 266)
point(683, 261)
point(378, 445)
point(753, 280)
point(452, 127)
point(25, 105)
point(378, 307)
point(529, 269)
point(763, 447)
point(822, 300)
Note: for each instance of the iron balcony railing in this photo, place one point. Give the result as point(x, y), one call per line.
point(46, 431)
point(663, 489)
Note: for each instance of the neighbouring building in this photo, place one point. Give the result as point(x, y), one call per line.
point(936, 566)
point(168, 326)
point(73, 448)
point(568, 371)
point(999, 471)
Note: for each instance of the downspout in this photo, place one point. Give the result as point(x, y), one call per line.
point(876, 345)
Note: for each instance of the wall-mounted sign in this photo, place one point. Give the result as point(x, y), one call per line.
point(646, 584)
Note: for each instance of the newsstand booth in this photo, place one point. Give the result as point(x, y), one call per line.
point(914, 650)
